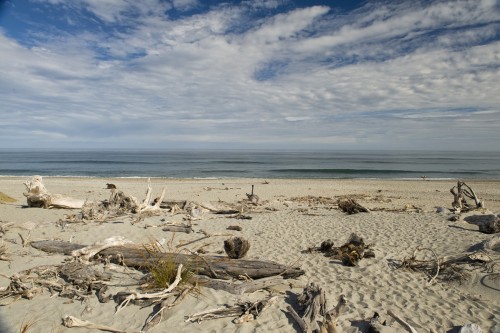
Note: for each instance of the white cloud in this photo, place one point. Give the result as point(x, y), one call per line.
point(303, 77)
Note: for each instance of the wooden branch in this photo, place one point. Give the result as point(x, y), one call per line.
point(202, 238)
point(156, 317)
point(329, 324)
point(299, 320)
point(70, 321)
point(245, 312)
point(160, 295)
point(403, 323)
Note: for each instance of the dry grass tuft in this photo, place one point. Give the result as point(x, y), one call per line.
point(163, 269)
point(4, 255)
point(27, 325)
point(4, 198)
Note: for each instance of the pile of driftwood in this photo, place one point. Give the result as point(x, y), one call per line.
point(460, 192)
point(92, 267)
point(120, 204)
point(312, 303)
point(490, 224)
point(350, 253)
point(451, 268)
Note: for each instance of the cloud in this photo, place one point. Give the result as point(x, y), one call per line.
point(396, 75)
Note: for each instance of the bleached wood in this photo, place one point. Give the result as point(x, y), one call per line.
point(38, 196)
point(70, 321)
point(240, 288)
point(88, 252)
point(159, 295)
point(401, 322)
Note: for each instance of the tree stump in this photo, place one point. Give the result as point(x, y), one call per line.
point(236, 247)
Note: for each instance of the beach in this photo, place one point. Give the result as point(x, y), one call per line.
point(292, 216)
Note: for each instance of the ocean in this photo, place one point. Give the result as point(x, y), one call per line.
point(252, 164)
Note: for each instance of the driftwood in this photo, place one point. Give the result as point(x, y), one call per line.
point(313, 304)
point(70, 321)
point(236, 247)
point(157, 295)
point(185, 228)
point(74, 280)
point(89, 251)
point(157, 315)
point(253, 198)
point(38, 196)
point(350, 206)
point(447, 268)
point(138, 257)
point(460, 203)
point(234, 227)
point(470, 328)
point(245, 311)
point(350, 253)
point(120, 204)
point(239, 288)
point(402, 322)
point(4, 255)
point(491, 226)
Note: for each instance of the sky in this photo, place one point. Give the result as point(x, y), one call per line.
point(261, 74)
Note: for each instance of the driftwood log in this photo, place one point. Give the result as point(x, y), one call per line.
point(38, 196)
point(222, 267)
point(491, 226)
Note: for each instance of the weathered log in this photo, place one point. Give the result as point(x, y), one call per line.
point(241, 287)
point(313, 300)
point(178, 228)
point(140, 258)
point(491, 226)
point(38, 196)
point(492, 244)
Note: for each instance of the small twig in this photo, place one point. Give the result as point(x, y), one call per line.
point(25, 241)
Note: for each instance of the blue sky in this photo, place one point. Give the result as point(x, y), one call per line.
point(273, 74)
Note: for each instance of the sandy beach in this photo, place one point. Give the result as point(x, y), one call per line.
point(292, 216)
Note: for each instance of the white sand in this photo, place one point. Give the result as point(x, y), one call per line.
point(278, 235)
